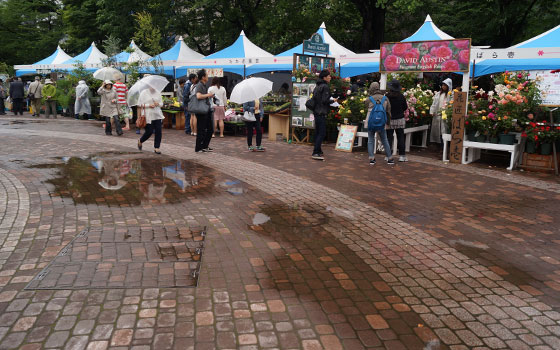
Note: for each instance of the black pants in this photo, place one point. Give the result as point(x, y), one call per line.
point(187, 122)
point(320, 132)
point(204, 131)
point(250, 126)
point(400, 140)
point(2, 106)
point(109, 129)
point(18, 105)
point(153, 128)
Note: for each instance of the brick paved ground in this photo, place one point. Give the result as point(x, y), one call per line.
point(299, 254)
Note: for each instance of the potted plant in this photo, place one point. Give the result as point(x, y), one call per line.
point(504, 125)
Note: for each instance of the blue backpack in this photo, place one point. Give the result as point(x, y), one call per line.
point(378, 116)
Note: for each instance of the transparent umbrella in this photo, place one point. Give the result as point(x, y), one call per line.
point(108, 73)
point(250, 89)
point(155, 82)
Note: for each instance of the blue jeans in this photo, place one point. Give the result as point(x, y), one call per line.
point(371, 138)
point(187, 122)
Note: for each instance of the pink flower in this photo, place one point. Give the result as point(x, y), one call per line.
point(433, 51)
point(383, 52)
point(464, 56)
point(391, 63)
point(491, 115)
point(451, 65)
point(426, 61)
point(412, 55)
point(401, 48)
point(520, 75)
point(444, 52)
point(461, 44)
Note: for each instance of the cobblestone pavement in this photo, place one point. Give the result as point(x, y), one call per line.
point(298, 254)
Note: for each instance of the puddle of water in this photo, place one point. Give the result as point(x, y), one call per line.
point(116, 178)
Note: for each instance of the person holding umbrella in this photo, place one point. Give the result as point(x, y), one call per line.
point(146, 95)
point(108, 108)
point(249, 93)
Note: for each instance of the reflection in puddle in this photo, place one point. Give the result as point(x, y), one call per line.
point(134, 179)
point(260, 219)
point(293, 222)
point(469, 244)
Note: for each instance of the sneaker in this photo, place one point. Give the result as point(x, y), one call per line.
point(385, 159)
point(207, 150)
point(260, 149)
point(251, 149)
point(318, 157)
point(403, 159)
point(372, 162)
point(391, 162)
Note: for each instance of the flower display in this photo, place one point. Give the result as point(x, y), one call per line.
point(419, 101)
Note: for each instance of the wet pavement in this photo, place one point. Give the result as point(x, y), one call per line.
point(105, 247)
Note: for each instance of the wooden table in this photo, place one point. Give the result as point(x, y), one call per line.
point(278, 124)
point(179, 119)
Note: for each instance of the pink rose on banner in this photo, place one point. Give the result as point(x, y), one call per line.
point(427, 61)
point(464, 56)
point(444, 52)
point(411, 56)
point(444, 43)
point(451, 65)
point(433, 51)
point(461, 44)
point(383, 52)
point(391, 63)
point(401, 48)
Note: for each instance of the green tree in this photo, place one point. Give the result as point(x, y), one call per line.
point(30, 30)
point(80, 25)
point(147, 34)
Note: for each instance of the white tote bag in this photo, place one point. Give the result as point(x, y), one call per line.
point(249, 117)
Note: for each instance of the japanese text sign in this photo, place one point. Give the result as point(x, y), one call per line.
point(426, 56)
point(458, 127)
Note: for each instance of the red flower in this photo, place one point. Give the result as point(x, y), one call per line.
point(536, 138)
point(392, 62)
point(466, 123)
point(450, 65)
point(444, 52)
point(461, 44)
point(523, 134)
point(401, 48)
point(464, 56)
point(412, 54)
point(383, 52)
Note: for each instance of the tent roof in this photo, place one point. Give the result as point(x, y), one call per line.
point(428, 31)
point(241, 48)
point(134, 56)
point(59, 56)
point(91, 56)
point(335, 49)
point(179, 52)
point(549, 38)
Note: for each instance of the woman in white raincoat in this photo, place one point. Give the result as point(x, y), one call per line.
point(150, 102)
point(82, 105)
point(441, 99)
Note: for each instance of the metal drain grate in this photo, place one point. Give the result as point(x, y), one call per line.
point(114, 257)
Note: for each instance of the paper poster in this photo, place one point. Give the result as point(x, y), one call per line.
point(549, 84)
point(346, 136)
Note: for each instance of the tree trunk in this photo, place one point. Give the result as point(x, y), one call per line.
point(373, 24)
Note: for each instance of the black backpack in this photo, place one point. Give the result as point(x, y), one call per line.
point(311, 103)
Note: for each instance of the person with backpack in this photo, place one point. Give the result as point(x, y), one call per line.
point(398, 123)
point(320, 105)
point(378, 118)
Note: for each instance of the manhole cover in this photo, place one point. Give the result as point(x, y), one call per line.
point(133, 257)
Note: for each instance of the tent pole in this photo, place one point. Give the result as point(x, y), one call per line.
point(473, 69)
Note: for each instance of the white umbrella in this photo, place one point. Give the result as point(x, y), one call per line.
point(108, 73)
point(156, 82)
point(112, 187)
point(250, 89)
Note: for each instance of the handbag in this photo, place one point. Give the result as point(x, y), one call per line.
point(248, 117)
point(310, 104)
point(31, 95)
point(197, 106)
point(141, 121)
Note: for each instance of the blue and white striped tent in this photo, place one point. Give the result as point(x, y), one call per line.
point(242, 48)
point(92, 58)
point(129, 57)
point(58, 57)
point(180, 52)
point(549, 39)
point(335, 49)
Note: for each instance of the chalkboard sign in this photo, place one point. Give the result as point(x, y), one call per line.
point(346, 136)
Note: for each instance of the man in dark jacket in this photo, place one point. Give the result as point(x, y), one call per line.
point(17, 94)
point(322, 97)
point(2, 97)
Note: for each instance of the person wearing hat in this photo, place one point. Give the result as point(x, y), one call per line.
point(35, 96)
point(108, 108)
point(397, 124)
point(49, 96)
point(441, 99)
